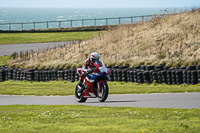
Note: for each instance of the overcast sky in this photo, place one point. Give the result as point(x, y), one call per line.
point(99, 3)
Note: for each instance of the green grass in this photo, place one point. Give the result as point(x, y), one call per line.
point(3, 60)
point(77, 118)
point(15, 38)
point(67, 88)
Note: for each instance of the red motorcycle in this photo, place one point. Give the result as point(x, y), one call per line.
point(95, 84)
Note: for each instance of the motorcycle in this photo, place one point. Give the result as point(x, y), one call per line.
point(95, 83)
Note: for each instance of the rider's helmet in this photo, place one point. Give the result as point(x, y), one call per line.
point(94, 57)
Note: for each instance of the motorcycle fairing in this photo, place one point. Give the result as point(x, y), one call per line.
point(89, 82)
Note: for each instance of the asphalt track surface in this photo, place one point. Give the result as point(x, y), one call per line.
point(8, 49)
point(165, 100)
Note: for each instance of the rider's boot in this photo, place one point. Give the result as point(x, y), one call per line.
point(80, 86)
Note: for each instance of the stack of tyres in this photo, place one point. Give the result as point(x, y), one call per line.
point(198, 71)
point(119, 73)
point(50, 77)
point(115, 74)
point(188, 77)
point(42, 75)
point(194, 77)
point(60, 74)
point(197, 67)
point(111, 75)
point(2, 75)
point(143, 68)
point(169, 77)
point(179, 77)
point(46, 75)
point(135, 76)
point(36, 76)
point(131, 76)
point(154, 76)
point(124, 75)
point(6, 73)
point(164, 76)
point(173, 77)
point(159, 77)
point(73, 75)
point(9, 74)
point(53, 74)
point(14, 74)
point(146, 77)
point(65, 74)
point(18, 74)
point(21, 75)
point(30, 75)
point(184, 76)
point(128, 76)
point(69, 74)
point(140, 79)
point(76, 76)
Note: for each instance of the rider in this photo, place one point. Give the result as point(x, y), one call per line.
point(88, 67)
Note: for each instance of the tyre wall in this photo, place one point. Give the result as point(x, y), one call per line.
point(137, 74)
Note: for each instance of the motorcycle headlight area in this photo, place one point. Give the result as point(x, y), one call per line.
point(103, 70)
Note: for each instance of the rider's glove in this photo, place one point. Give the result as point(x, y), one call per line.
point(90, 70)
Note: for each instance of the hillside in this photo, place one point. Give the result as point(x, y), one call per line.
point(172, 40)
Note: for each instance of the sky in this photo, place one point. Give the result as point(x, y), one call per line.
point(99, 3)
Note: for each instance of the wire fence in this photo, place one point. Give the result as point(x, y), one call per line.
point(74, 23)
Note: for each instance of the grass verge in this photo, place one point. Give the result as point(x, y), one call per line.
point(3, 60)
point(15, 38)
point(67, 88)
point(76, 118)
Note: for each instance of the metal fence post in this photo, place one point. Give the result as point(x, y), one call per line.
point(142, 19)
point(106, 21)
point(131, 20)
point(9, 26)
point(119, 20)
point(22, 26)
point(59, 24)
point(34, 25)
point(94, 22)
point(47, 25)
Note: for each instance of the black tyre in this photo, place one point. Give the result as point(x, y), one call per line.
point(103, 92)
point(79, 97)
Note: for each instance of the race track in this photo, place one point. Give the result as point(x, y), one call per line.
point(166, 100)
point(8, 49)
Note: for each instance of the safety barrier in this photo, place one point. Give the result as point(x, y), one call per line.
point(75, 23)
point(138, 74)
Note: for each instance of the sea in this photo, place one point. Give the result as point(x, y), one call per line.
point(61, 17)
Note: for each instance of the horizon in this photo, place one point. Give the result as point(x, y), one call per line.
point(99, 4)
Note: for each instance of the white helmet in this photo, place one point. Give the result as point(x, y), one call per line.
point(94, 57)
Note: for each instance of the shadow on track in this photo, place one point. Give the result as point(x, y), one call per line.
point(129, 101)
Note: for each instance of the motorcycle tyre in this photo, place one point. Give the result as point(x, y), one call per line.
point(105, 92)
point(80, 98)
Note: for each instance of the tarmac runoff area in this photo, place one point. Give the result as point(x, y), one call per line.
point(8, 49)
point(165, 100)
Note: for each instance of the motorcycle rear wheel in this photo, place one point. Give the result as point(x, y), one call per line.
point(103, 92)
point(79, 97)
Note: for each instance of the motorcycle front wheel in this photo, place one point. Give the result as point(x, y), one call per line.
point(78, 96)
point(103, 92)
